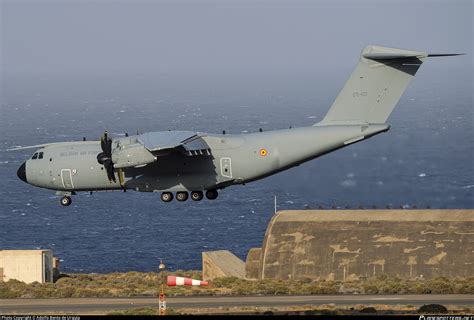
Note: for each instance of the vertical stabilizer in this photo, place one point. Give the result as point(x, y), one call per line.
point(375, 86)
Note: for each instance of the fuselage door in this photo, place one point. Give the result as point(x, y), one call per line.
point(66, 178)
point(226, 167)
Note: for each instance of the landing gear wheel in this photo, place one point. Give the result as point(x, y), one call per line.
point(212, 194)
point(66, 201)
point(166, 196)
point(197, 195)
point(182, 196)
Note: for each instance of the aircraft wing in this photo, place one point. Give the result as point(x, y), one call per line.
point(188, 141)
point(38, 146)
point(146, 148)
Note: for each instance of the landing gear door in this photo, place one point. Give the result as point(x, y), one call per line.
point(66, 178)
point(226, 167)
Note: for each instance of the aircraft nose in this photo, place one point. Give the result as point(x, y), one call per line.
point(21, 173)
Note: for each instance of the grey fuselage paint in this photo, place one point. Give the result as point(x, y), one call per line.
point(234, 159)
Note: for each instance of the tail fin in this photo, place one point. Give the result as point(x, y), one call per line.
point(375, 86)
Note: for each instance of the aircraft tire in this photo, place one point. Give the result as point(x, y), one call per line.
point(166, 196)
point(66, 201)
point(212, 194)
point(197, 195)
point(182, 196)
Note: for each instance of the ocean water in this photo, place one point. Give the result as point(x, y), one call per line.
point(425, 160)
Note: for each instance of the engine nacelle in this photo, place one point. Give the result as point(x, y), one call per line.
point(132, 155)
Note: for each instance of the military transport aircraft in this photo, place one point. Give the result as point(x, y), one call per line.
point(183, 163)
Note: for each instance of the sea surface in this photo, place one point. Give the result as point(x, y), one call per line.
point(425, 160)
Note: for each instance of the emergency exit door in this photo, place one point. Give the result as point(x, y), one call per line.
point(226, 167)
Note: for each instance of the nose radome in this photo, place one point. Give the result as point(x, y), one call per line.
point(21, 173)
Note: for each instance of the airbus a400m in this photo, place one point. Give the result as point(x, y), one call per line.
point(183, 164)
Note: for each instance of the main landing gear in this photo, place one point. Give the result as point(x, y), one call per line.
point(196, 195)
point(182, 196)
point(212, 194)
point(166, 196)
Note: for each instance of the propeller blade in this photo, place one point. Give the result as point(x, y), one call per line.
point(105, 157)
point(108, 147)
point(109, 167)
point(102, 144)
point(106, 144)
point(102, 141)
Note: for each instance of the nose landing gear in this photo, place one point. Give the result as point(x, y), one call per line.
point(66, 201)
point(65, 197)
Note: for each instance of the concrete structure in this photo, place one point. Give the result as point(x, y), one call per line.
point(353, 244)
point(252, 264)
point(222, 263)
point(350, 244)
point(27, 265)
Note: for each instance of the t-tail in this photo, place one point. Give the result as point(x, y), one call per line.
point(376, 85)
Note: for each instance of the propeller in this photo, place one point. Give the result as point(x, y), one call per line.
point(105, 157)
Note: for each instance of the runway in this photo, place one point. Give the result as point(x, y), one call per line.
point(97, 305)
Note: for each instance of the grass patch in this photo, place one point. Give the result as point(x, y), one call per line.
point(147, 311)
point(132, 284)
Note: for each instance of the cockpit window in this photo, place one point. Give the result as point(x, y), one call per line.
point(40, 156)
point(35, 156)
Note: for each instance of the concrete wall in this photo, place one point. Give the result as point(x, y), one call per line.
point(27, 265)
point(221, 263)
point(252, 264)
point(350, 244)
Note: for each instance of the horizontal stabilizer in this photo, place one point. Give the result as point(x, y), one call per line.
point(390, 56)
point(384, 53)
point(404, 55)
point(445, 54)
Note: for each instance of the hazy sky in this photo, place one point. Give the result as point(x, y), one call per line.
point(175, 36)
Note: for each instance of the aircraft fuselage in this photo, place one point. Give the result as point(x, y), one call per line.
point(234, 159)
